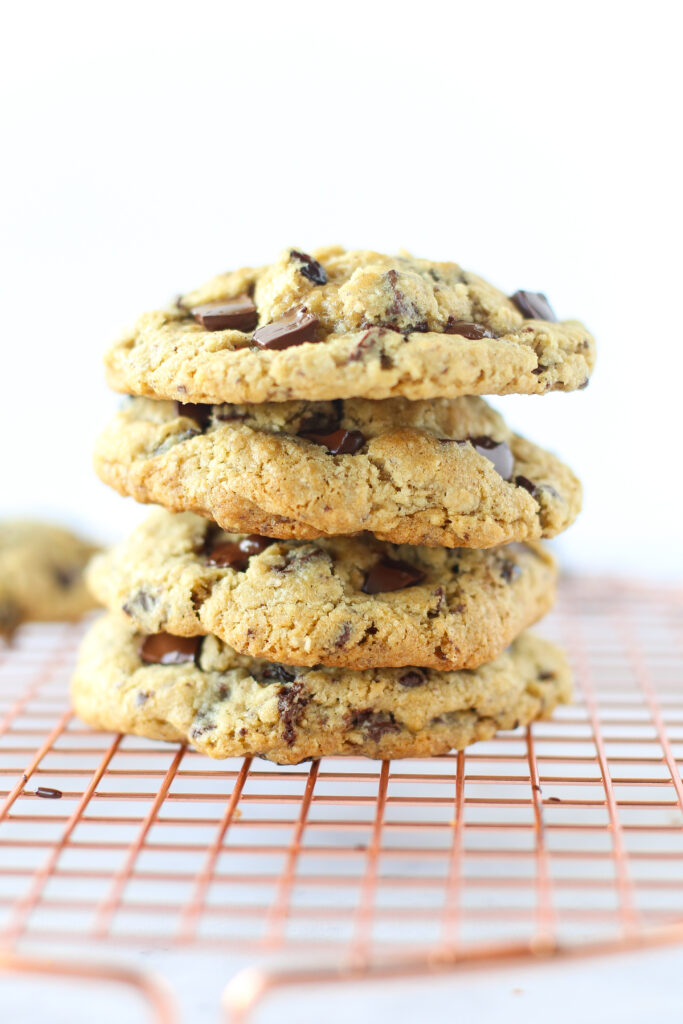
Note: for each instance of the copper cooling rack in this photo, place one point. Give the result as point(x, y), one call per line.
point(562, 839)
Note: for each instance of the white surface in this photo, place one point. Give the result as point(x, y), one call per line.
point(533, 143)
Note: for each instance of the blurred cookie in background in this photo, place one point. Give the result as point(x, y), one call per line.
point(41, 573)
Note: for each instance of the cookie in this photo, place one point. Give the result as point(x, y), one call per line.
point(339, 324)
point(353, 602)
point(442, 472)
point(41, 574)
point(226, 705)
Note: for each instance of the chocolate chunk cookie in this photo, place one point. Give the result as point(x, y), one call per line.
point(337, 324)
point(228, 705)
point(353, 602)
point(436, 472)
point(41, 573)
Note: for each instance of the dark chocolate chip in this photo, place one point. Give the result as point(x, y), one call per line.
point(440, 595)
point(545, 674)
point(375, 724)
point(344, 635)
point(238, 314)
point(173, 439)
point(236, 555)
point(584, 384)
point(467, 329)
point(143, 696)
point(48, 793)
point(390, 574)
point(338, 442)
point(496, 452)
point(538, 370)
point(67, 577)
point(293, 328)
point(201, 414)
point(275, 673)
point(528, 485)
point(412, 678)
point(291, 704)
point(534, 306)
point(509, 570)
point(309, 267)
point(227, 413)
point(164, 649)
point(199, 730)
point(141, 601)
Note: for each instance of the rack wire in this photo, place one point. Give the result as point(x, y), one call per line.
point(567, 836)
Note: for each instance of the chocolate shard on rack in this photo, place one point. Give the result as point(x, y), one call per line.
point(496, 452)
point(293, 328)
point(534, 306)
point(468, 330)
point(310, 268)
point(338, 442)
point(164, 649)
point(236, 555)
point(390, 574)
point(238, 314)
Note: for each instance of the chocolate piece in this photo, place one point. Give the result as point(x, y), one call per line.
point(338, 442)
point(413, 677)
point(291, 705)
point(496, 452)
point(534, 306)
point(309, 267)
point(467, 329)
point(509, 570)
point(523, 481)
point(293, 328)
point(275, 673)
point(238, 314)
point(236, 555)
point(390, 574)
point(201, 414)
point(48, 793)
point(141, 601)
point(67, 577)
point(164, 649)
point(143, 696)
point(374, 723)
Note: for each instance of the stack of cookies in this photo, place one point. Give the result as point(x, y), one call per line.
point(348, 551)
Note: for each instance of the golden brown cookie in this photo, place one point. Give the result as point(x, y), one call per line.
point(227, 705)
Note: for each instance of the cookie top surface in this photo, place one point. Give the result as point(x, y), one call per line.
point(338, 324)
point(41, 573)
point(227, 705)
point(436, 472)
point(355, 602)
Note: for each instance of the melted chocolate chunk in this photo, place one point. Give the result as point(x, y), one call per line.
point(141, 601)
point(496, 452)
point(291, 705)
point(164, 649)
point(509, 570)
point(390, 574)
point(534, 306)
point(201, 414)
point(374, 723)
point(523, 481)
point(236, 555)
point(293, 328)
point(413, 677)
point(309, 267)
point(338, 442)
point(467, 329)
point(275, 673)
point(67, 577)
point(239, 314)
point(48, 793)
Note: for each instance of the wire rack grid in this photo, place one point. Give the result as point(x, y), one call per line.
point(565, 837)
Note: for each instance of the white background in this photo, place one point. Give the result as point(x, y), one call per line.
point(148, 146)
